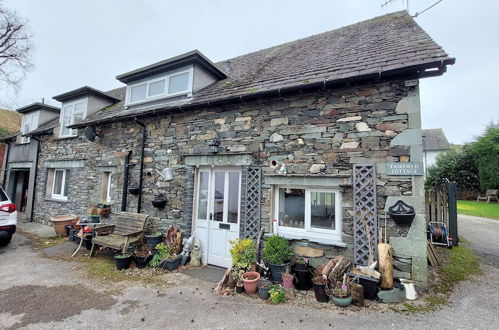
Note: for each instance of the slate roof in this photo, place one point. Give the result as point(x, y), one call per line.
point(434, 139)
point(47, 127)
point(378, 47)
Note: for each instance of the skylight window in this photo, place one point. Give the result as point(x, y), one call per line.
point(175, 84)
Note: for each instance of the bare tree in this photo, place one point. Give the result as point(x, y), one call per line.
point(15, 48)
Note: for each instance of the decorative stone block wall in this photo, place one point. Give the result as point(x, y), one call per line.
point(314, 133)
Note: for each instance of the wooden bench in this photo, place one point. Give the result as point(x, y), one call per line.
point(490, 195)
point(128, 230)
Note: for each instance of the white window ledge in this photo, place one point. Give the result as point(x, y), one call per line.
point(315, 239)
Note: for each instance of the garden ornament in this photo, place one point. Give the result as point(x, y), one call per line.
point(196, 255)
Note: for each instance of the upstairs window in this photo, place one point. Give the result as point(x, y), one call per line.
point(71, 113)
point(175, 84)
point(29, 124)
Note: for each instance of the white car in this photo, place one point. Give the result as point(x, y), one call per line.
point(8, 218)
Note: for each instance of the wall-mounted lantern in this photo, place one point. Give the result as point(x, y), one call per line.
point(213, 145)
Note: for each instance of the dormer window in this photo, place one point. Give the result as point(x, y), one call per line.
point(71, 113)
point(30, 123)
point(174, 84)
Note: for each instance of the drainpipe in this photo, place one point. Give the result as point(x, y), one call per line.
point(7, 152)
point(141, 171)
point(34, 180)
point(125, 181)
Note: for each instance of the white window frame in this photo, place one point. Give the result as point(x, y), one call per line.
point(319, 235)
point(63, 184)
point(70, 106)
point(34, 119)
point(165, 94)
point(110, 175)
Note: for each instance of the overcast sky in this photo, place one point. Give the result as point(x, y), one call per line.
point(90, 42)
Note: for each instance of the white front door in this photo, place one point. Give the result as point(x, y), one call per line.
point(218, 202)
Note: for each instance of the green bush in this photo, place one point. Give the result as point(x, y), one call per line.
point(276, 250)
point(486, 154)
point(457, 166)
point(243, 252)
point(163, 252)
point(277, 294)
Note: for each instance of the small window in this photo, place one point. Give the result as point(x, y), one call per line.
point(29, 124)
point(72, 113)
point(138, 92)
point(107, 187)
point(157, 88)
point(175, 84)
point(309, 213)
point(178, 83)
point(59, 186)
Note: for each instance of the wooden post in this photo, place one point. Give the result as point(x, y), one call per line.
point(385, 265)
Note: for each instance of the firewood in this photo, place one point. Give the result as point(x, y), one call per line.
point(357, 291)
point(328, 266)
point(385, 265)
point(368, 271)
point(224, 282)
point(341, 266)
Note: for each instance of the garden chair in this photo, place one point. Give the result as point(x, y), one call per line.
point(128, 230)
point(490, 195)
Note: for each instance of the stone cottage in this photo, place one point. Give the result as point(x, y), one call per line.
point(307, 139)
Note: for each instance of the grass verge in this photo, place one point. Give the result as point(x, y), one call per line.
point(460, 265)
point(478, 209)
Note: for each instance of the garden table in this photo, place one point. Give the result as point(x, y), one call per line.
point(82, 237)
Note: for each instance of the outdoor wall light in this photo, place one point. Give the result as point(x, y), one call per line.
point(213, 145)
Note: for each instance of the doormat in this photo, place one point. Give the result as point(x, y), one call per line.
point(207, 273)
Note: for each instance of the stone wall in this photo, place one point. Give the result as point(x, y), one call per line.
point(314, 133)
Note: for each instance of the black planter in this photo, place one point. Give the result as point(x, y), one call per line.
point(370, 285)
point(276, 271)
point(68, 229)
point(153, 240)
point(240, 289)
point(299, 266)
point(263, 293)
point(159, 201)
point(141, 262)
point(72, 234)
point(402, 213)
point(133, 189)
point(303, 278)
point(320, 293)
point(122, 261)
point(171, 264)
point(88, 242)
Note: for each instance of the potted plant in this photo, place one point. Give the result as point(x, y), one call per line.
point(123, 260)
point(263, 289)
point(134, 188)
point(303, 275)
point(277, 294)
point(287, 279)
point(165, 257)
point(243, 252)
point(277, 253)
point(142, 255)
point(250, 282)
point(153, 236)
point(320, 283)
point(94, 215)
point(159, 201)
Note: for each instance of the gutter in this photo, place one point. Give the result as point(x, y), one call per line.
point(141, 170)
point(419, 71)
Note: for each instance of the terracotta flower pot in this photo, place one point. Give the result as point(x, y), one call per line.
point(250, 282)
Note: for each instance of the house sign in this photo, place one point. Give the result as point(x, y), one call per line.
point(404, 168)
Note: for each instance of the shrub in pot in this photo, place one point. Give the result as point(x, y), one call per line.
point(165, 257)
point(250, 282)
point(153, 236)
point(277, 294)
point(142, 255)
point(243, 252)
point(263, 289)
point(341, 297)
point(320, 283)
point(123, 260)
point(287, 279)
point(277, 253)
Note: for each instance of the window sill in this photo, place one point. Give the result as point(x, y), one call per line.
point(326, 239)
point(59, 200)
point(67, 137)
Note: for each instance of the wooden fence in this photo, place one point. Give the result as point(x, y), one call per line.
point(441, 207)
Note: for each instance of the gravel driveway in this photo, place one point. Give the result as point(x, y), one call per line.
point(40, 293)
